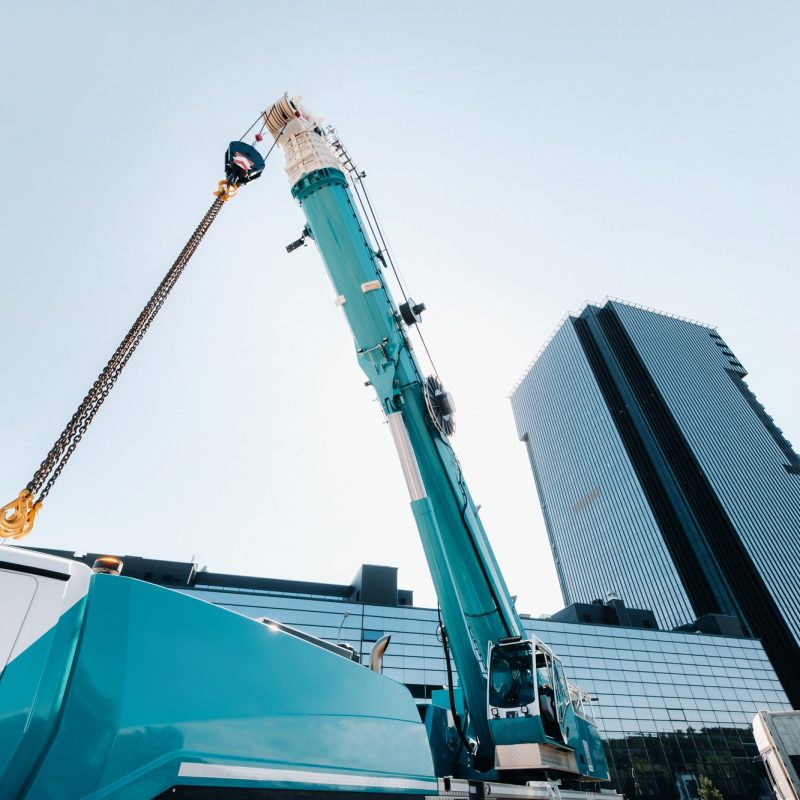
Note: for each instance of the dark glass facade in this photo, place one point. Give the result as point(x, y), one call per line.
point(662, 478)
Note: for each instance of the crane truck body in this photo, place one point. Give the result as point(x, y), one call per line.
point(115, 688)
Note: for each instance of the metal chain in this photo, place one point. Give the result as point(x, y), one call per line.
point(72, 434)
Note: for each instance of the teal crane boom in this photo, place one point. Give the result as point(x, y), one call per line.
point(497, 665)
point(475, 603)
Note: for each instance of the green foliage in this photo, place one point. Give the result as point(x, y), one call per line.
point(708, 791)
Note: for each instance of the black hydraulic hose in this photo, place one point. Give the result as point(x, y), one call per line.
point(451, 693)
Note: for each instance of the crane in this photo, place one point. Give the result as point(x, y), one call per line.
point(112, 687)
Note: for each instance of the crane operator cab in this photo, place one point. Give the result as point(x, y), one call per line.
point(527, 681)
point(529, 702)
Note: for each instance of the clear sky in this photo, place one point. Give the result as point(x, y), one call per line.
point(524, 157)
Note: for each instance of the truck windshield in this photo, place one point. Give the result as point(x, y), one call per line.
point(511, 676)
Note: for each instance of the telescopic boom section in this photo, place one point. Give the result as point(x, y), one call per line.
point(476, 606)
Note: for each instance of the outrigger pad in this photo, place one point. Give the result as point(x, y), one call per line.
point(243, 163)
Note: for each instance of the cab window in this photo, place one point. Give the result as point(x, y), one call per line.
point(511, 676)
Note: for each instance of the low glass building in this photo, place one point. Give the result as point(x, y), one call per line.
point(670, 706)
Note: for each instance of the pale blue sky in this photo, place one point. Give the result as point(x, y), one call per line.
point(524, 158)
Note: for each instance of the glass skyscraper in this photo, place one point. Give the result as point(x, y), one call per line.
point(662, 478)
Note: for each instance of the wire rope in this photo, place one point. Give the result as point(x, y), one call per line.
point(383, 247)
point(17, 517)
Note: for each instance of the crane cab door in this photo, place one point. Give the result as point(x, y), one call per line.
point(546, 688)
point(553, 693)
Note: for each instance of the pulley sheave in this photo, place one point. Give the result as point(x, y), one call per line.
point(440, 405)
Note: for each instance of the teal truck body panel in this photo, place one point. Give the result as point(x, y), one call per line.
point(137, 689)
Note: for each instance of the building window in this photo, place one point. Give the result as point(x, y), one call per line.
point(369, 635)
